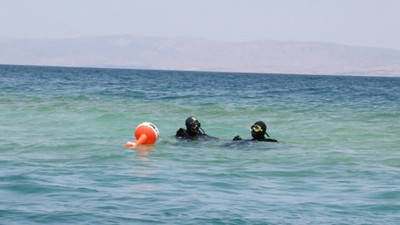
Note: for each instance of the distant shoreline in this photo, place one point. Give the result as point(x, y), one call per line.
point(196, 54)
point(230, 72)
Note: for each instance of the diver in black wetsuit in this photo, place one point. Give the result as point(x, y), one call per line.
point(258, 132)
point(193, 131)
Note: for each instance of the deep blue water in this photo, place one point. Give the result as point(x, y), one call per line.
point(63, 160)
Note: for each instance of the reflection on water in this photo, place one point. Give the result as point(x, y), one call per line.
point(143, 150)
point(146, 166)
point(143, 171)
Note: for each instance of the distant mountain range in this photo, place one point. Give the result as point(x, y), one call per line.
point(288, 57)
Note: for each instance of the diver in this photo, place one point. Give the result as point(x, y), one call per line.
point(193, 131)
point(258, 132)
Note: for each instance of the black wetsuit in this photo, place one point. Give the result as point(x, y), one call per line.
point(237, 138)
point(183, 134)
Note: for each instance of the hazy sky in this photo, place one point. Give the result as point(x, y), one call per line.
point(373, 23)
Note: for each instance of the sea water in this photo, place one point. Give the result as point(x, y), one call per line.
point(63, 160)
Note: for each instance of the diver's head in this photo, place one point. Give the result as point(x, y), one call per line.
point(258, 130)
point(192, 126)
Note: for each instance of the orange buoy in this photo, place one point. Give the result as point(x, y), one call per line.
point(145, 133)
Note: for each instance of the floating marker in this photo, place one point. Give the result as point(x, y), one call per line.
point(145, 133)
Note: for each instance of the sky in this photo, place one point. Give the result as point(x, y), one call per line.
point(370, 23)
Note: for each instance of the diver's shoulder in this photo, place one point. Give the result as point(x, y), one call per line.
point(181, 133)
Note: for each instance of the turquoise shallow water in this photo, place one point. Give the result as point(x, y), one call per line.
point(62, 159)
